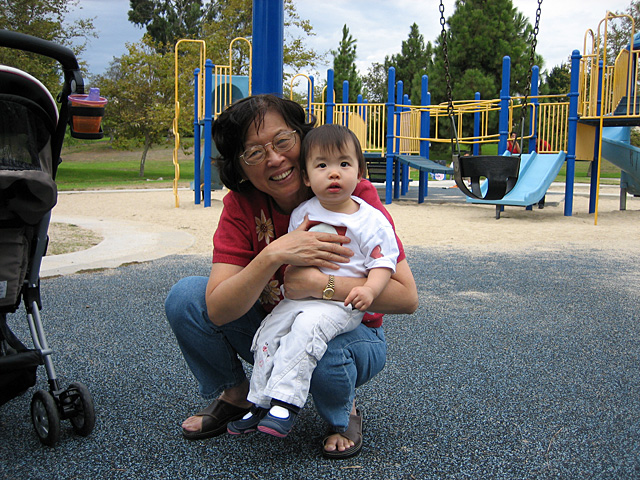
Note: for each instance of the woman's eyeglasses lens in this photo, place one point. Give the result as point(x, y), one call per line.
point(283, 142)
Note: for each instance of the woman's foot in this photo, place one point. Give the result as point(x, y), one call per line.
point(234, 398)
point(338, 446)
point(337, 442)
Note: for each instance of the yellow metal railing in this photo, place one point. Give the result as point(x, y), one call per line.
point(223, 86)
point(618, 80)
point(200, 109)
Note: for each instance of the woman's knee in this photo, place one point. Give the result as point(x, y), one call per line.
point(187, 295)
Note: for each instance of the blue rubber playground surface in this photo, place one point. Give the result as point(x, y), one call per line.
point(516, 365)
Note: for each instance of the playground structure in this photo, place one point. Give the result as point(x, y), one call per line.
point(215, 87)
point(591, 122)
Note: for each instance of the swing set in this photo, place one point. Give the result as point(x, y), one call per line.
point(499, 171)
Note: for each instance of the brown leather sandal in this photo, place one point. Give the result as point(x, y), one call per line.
point(353, 433)
point(214, 420)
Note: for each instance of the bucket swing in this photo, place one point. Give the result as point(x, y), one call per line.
point(500, 171)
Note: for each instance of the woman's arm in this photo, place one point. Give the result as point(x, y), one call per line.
point(399, 296)
point(232, 290)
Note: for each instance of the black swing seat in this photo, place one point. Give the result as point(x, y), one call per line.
point(500, 172)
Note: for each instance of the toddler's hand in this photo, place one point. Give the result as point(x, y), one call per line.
point(360, 298)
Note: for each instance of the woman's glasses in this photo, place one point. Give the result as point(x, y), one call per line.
point(282, 142)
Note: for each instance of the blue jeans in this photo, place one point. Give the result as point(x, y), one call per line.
point(212, 352)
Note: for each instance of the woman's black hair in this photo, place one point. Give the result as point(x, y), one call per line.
point(229, 131)
point(328, 137)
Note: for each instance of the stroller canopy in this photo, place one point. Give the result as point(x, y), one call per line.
point(28, 118)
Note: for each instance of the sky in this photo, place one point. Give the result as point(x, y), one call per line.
point(378, 26)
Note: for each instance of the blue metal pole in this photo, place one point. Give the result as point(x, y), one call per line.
point(405, 168)
point(391, 81)
point(476, 128)
point(196, 137)
point(504, 105)
point(345, 100)
point(268, 46)
point(330, 102)
point(533, 116)
point(424, 133)
point(396, 176)
point(208, 71)
point(310, 96)
point(572, 133)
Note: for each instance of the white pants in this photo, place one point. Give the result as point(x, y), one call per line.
point(287, 346)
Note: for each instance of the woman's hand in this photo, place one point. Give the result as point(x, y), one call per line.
point(303, 248)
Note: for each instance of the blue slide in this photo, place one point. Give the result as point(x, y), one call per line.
point(616, 148)
point(537, 171)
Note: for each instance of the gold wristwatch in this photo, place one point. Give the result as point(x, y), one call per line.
point(330, 289)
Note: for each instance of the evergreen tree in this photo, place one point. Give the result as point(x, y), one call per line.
point(412, 63)
point(374, 83)
point(480, 34)
point(344, 67)
point(558, 82)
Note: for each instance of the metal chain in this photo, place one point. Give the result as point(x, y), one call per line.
point(534, 43)
point(454, 133)
point(446, 59)
point(527, 90)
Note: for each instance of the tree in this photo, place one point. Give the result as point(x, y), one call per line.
point(218, 23)
point(344, 67)
point(480, 34)
point(412, 63)
point(374, 83)
point(139, 86)
point(619, 34)
point(558, 81)
point(167, 21)
point(44, 19)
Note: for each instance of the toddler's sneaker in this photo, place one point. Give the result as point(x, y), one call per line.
point(248, 423)
point(278, 421)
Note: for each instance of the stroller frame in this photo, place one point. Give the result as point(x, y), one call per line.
point(17, 363)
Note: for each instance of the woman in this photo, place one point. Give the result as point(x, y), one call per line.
point(214, 320)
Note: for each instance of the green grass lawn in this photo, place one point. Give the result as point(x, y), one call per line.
point(89, 165)
point(97, 165)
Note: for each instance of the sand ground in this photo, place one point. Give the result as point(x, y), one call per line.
point(444, 220)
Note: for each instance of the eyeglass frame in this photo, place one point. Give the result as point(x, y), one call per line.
point(274, 148)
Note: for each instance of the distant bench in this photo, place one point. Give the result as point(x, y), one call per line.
point(377, 169)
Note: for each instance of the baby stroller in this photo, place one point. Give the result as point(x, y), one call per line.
point(31, 136)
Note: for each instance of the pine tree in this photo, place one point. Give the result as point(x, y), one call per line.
point(344, 67)
point(480, 34)
point(412, 63)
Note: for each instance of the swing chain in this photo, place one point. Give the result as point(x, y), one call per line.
point(527, 91)
point(446, 59)
point(454, 134)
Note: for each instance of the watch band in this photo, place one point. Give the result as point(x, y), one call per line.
point(330, 289)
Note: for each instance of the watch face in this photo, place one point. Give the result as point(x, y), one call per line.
point(328, 293)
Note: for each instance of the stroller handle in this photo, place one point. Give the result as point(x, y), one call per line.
point(22, 41)
point(64, 55)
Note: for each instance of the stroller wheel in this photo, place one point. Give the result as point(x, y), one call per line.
point(45, 417)
point(85, 418)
